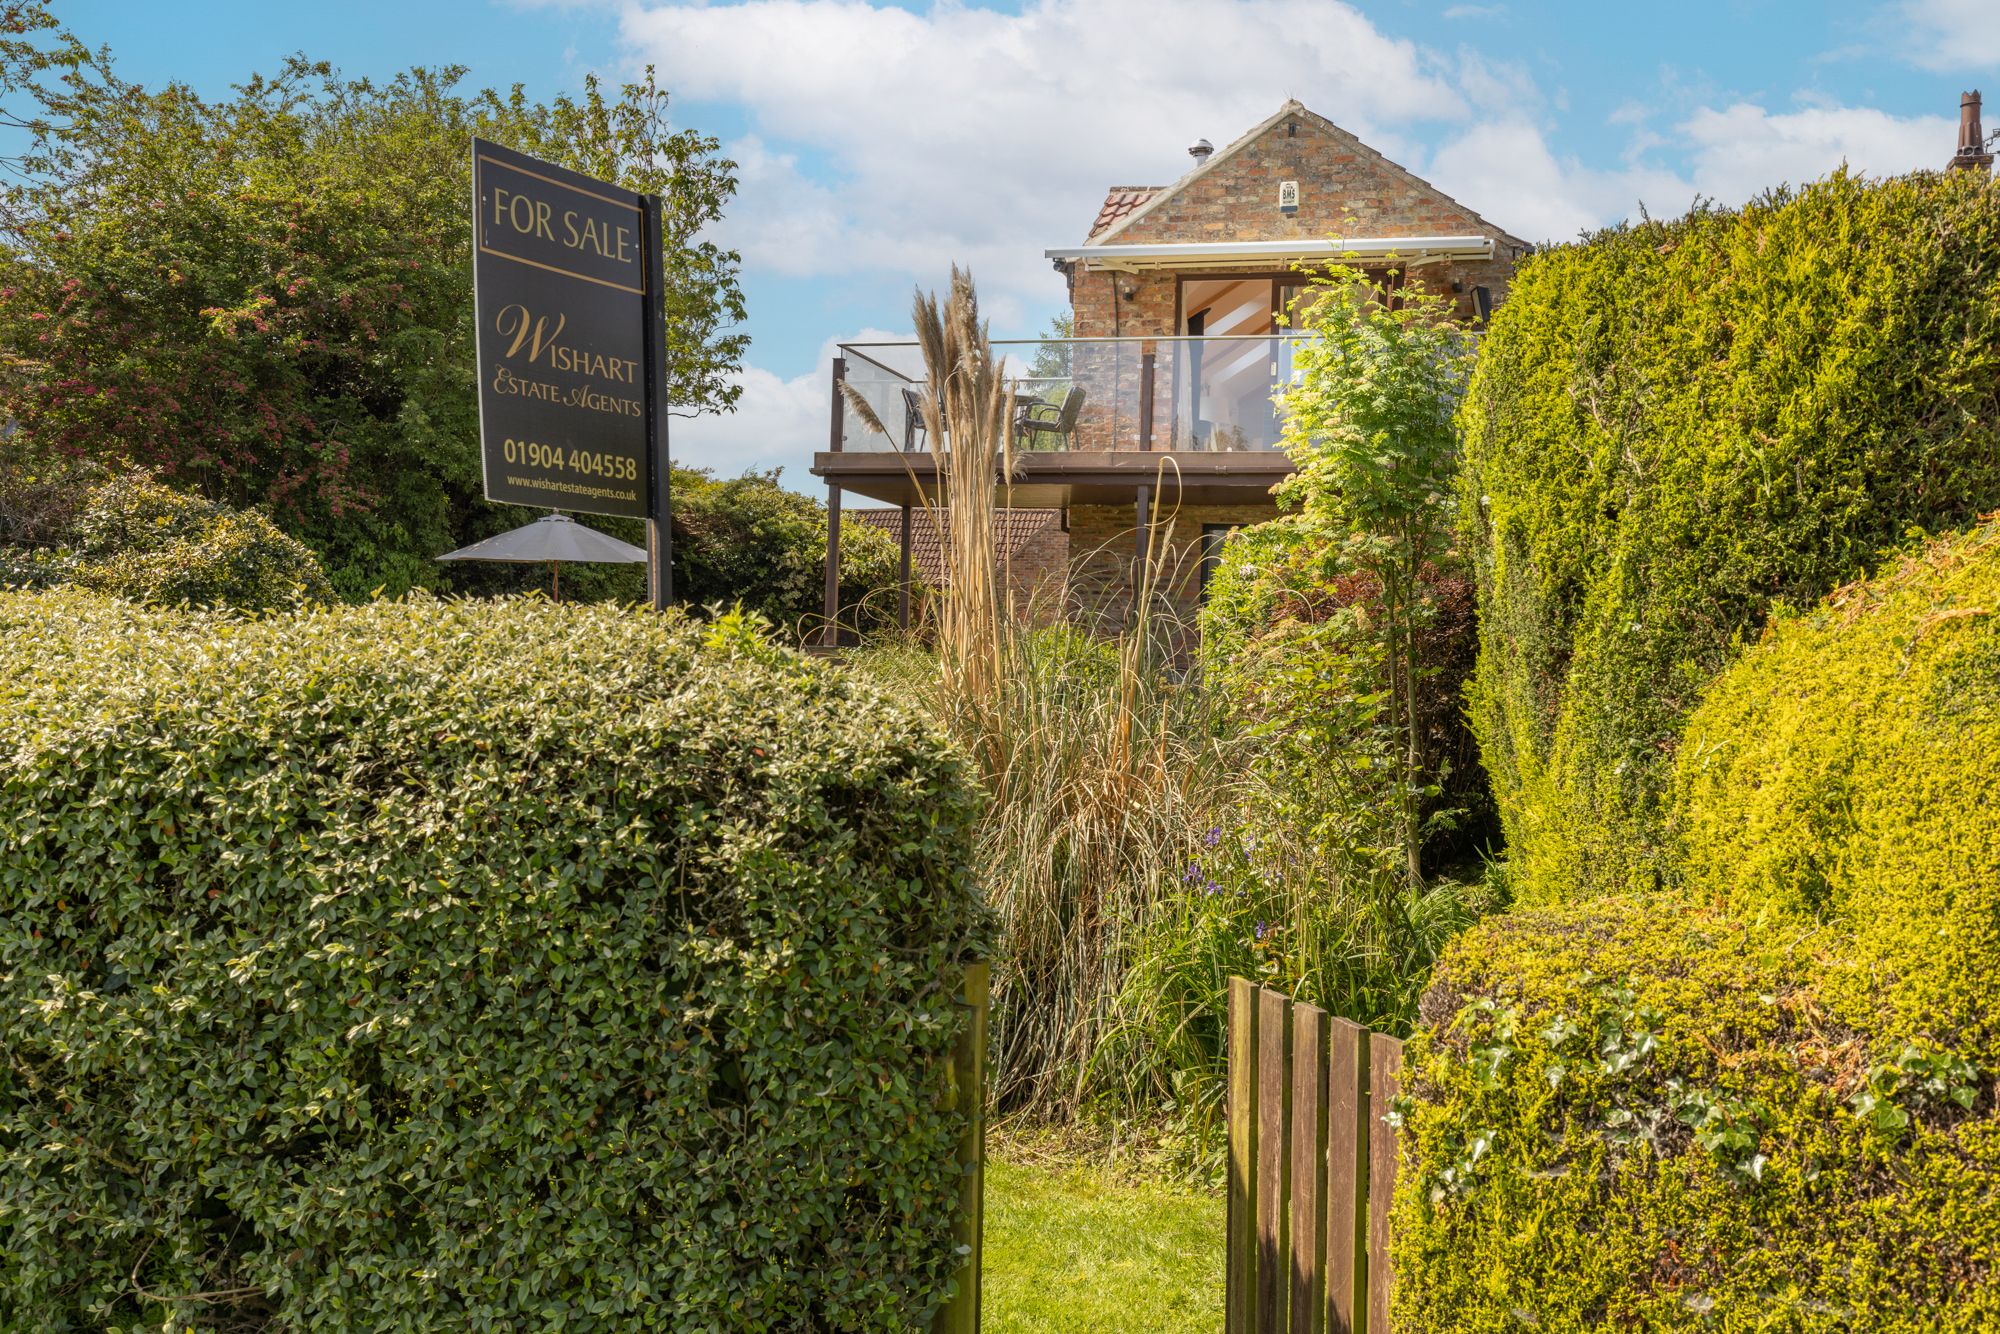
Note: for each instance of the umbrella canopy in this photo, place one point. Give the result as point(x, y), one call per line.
point(553, 537)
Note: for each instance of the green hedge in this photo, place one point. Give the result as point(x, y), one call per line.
point(1849, 769)
point(1776, 1109)
point(469, 966)
point(1674, 428)
point(1634, 1114)
point(136, 539)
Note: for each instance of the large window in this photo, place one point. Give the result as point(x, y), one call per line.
point(1224, 395)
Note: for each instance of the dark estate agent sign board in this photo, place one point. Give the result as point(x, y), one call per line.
point(563, 294)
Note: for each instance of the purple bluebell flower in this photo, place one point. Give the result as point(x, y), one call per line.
point(1260, 929)
point(1214, 836)
point(1193, 873)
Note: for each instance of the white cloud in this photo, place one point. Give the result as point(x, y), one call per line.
point(1506, 169)
point(962, 134)
point(775, 422)
point(1741, 149)
point(1953, 34)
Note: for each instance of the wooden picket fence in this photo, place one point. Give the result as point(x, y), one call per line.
point(1312, 1168)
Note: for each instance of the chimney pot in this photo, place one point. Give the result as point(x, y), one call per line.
point(1972, 154)
point(1199, 150)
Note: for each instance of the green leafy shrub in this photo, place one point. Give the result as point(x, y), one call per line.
point(145, 542)
point(134, 538)
point(1637, 1114)
point(1286, 639)
point(747, 539)
point(1676, 427)
point(1848, 768)
point(39, 498)
point(1766, 1100)
point(431, 965)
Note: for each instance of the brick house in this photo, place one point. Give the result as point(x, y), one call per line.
point(1159, 435)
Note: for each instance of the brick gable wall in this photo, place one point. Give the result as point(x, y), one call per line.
point(1344, 188)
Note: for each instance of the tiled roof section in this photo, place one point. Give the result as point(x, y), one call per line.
point(1013, 528)
point(1122, 200)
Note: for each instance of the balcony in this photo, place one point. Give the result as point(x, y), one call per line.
point(1206, 395)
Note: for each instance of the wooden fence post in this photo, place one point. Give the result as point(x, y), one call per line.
point(1241, 1282)
point(1274, 1159)
point(1312, 1168)
point(1309, 1138)
point(961, 1314)
point(1385, 1082)
point(1347, 1179)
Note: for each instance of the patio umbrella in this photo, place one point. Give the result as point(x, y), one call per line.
point(554, 538)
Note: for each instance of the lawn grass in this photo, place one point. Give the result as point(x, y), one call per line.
point(1073, 1248)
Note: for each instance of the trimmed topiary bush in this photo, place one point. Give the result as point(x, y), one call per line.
point(1848, 769)
point(469, 966)
point(1636, 1114)
point(1673, 429)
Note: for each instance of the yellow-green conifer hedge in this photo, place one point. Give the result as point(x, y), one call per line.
point(1678, 426)
point(1766, 1098)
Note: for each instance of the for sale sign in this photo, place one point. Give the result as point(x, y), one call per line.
point(561, 294)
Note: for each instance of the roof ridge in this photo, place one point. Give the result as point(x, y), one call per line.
point(1291, 107)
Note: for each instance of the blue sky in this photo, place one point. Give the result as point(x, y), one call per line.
point(879, 142)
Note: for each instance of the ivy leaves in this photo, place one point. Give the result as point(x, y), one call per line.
point(1917, 1076)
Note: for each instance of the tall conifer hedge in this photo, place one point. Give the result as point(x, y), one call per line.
point(468, 966)
point(1771, 1099)
point(1677, 427)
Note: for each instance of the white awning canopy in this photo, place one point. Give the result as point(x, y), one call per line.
point(1224, 254)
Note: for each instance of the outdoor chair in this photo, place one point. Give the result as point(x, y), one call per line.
point(1038, 418)
point(913, 420)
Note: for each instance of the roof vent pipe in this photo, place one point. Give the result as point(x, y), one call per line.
point(1199, 151)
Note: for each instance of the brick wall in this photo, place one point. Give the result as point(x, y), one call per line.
point(1038, 576)
point(1103, 558)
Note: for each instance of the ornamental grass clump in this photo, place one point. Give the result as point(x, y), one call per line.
point(432, 965)
point(1099, 767)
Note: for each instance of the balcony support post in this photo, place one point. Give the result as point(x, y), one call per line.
point(829, 635)
point(839, 377)
point(1147, 360)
